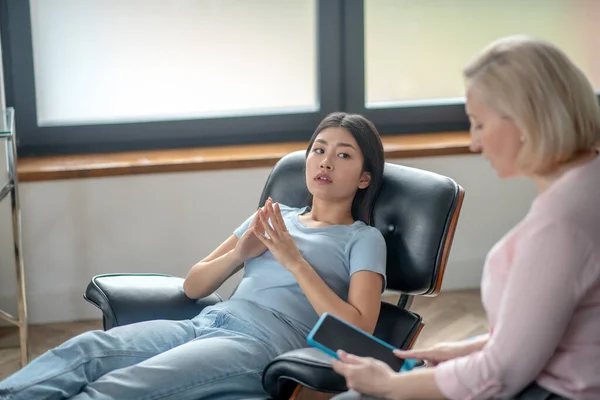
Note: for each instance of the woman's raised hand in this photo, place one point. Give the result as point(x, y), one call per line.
point(249, 245)
point(275, 236)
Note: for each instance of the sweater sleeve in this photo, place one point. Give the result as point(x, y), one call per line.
point(551, 271)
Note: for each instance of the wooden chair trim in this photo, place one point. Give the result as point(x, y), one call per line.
point(304, 393)
point(296, 392)
point(416, 336)
point(448, 242)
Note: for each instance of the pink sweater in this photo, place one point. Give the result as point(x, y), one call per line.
point(541, 292)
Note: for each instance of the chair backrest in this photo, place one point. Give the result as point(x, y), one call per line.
point(416, 211)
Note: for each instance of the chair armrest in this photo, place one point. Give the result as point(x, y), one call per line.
point(128, 298)
point(311, 367)
point(308, 367)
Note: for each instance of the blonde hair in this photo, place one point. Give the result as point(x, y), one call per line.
point(540, 89)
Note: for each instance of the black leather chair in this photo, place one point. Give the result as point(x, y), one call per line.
point(417, 212)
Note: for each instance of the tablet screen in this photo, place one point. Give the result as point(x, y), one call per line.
point(336, 335)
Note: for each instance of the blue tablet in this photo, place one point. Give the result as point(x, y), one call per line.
point(331, 334)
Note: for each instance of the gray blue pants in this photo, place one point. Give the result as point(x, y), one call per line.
point(220, 354)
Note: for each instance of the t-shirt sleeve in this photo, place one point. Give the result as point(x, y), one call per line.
point(240, 230)
point(368, 252)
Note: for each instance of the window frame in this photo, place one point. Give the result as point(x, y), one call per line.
point(15, 31)
point(418, 118)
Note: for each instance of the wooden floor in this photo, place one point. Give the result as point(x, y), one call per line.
point(449, 316)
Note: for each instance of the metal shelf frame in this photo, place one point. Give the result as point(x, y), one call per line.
point(10, 190)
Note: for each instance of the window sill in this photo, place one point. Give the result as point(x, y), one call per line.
point(32, 169)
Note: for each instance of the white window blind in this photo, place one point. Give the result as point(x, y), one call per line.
point(145, 60)
point(415, 50)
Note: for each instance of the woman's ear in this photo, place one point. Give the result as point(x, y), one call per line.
point(365, 180)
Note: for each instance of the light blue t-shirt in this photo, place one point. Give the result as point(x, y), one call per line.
point(335, 252)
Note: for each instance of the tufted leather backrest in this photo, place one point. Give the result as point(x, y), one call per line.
point(416, 211)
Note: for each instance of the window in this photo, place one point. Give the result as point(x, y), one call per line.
point(439, 37)
point(147, 60)
point(85, 75)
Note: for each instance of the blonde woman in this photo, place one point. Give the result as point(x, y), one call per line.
point(533, 113)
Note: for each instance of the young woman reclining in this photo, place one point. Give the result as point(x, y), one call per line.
point(323, 258)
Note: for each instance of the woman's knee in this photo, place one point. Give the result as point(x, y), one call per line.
point(87, 345)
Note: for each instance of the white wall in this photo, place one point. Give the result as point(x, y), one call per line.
point(74, 229)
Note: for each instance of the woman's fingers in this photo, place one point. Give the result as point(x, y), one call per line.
point(260, 230)
point(421, 354)
point(265, 224)
point(350, 358)
point(344, 367)
point(340, 367)
point(274, 215)
point(263, 239)
point(279, 218)
point(258, 226)
point(345, 363)
point(270, 214)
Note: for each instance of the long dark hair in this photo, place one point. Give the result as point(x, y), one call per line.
point(369, 141)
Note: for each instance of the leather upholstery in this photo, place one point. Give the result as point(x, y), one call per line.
point(128, 298)
point(416, 211)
